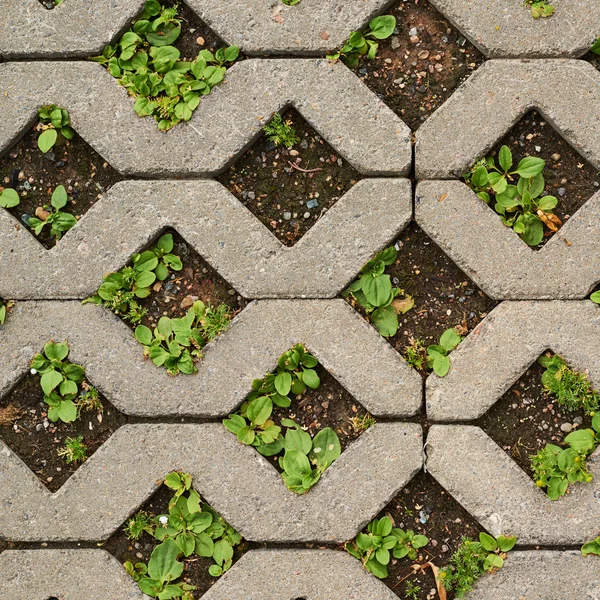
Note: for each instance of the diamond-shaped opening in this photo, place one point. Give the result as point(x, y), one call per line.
point(73, 164)
point(25, 428)
point(426, 508)
point(290, 189)
point(124, 548)
point(329, 405)
point(417, 69)
point(567, 175)
point(444, 297)
point(528, 417)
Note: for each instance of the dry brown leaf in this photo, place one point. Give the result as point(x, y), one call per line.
point(404, 305)
point(9, 415)
point(443, 197)
point(552, 222)
point(440, 586)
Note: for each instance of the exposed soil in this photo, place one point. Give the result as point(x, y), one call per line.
point(25, 428)
point(527, 418)
point(426, 508)
point(196, 568)
point(289, 201)
point(418, 68)
point(73, 164)
point(444, 296)
point(568, 176)
point(196, 281)
point(328, 406)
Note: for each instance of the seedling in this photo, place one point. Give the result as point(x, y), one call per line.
point(177, 344)
point(472, 559)
point(521, 207)
point(119, 291)
point(140, 523)
point(592, 547)
point(281, 132)
point(571, 389)
point(74, 450)
point(360, 424)
point(540, 8)
point(150, 68)
point(416, 354)
point(55, 122)
point(4, 310)
point(9, 198)
point(59, 380)
point(373, 290)
point(382, 541)
point(60, 222)
point(89, 399)
point(361, 44)
point(437, 354)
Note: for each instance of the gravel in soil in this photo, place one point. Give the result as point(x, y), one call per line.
point(272, 182)
point(174, 296)
point(25, 428)
point(74, 164)
point(196, 568)
point(444, 296)
point(527, 418)
point(418, 68)
point(568, 176)
point(426, 508)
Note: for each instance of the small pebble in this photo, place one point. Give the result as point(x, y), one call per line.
point(312, 204)
point(287, 216)
point(306, 215)
point(566, 427)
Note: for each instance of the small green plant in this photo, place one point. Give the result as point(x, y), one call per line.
point(74, 450)
point(177, 344)
point(373, 291)
point(120, 290)
point(382, 541)
point(360, 424)
point(472, 559)
point(281, 132)
point(291, 2)
point(4, 310)
point(540, 8)
point(9, 198)
point(596, 47)
point(555, 468)
point(415, 354)
point(142, 522)
point(59, 380)
point(60, 222)
point(595, 297)
point(437, 354)
point(89, 399)
point(571, 389)
point(412, 591)
point(150, 68)
point(55, 122)
point(361, 44)
point(521, 207)
point(191, 527)
point(592, 547)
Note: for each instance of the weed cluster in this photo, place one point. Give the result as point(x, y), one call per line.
point(281, 132)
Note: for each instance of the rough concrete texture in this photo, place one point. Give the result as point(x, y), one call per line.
point(542, 575)
point(310, 27)
point(504, 345)
point(507, 30)
point(257, 337)
point(328, 95)
point(503, 498)
point(491, 101)
point(256, 264)
point(64, 574)
point(291, 574)
point(119, 477)
point(78, 28)
point(496, 259)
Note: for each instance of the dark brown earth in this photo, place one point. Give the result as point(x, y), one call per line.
point(196, 281)
point(568, 176)
point(264, 180)
point(527, 418)
point(73, 164)
point(444, 296)
point(24, 427)
point(415, 72)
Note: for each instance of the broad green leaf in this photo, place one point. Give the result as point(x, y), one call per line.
point(488, 542)
point(311, 379)
point(449, 340)
point(163, 565)
point(143, 335)
point(547, 203)
point(59, 197)
point(382, 27)
point(326, 448)
point(480, 177)
point(9, 198)
point(67, 387)
point(296, 463)
point(223, 552)
point(595, 297)
point(204, 545)
point(533, 232)
point(259, 410)
point(385, 320)
point(505, 158)
point(581, 441)
point(375, 567)
point(67, 411)
point(296, 439)
point(47, 139)
point(506, 544)
point(530, 167)
point(441, 366)
point(50, 381)
point(377, 289)
point(283, 383)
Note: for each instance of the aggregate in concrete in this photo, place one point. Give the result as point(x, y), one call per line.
point(126, 471)
point(345, 344)
point(219, 227)
point(79, 28)
point(504, 345)
point(495, 257)
point(482, 110)
point(502, 497)
point(328, 95)
point(507, 30)
point(261, 27)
